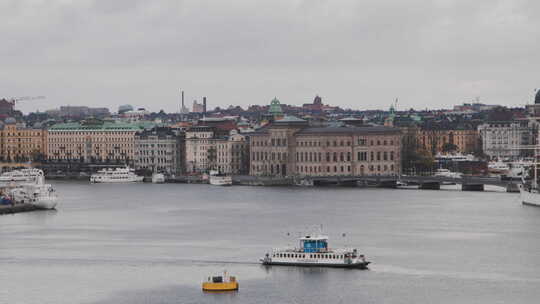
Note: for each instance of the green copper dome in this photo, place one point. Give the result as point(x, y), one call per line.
point(275, 107)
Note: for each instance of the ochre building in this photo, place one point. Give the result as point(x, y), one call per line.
point(19, 143)
point(92, 141)
point(290, 147)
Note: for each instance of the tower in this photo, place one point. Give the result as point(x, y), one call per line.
point(204, 104)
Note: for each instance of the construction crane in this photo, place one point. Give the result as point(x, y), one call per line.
point(14, 100)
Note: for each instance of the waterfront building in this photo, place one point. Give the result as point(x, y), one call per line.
point(93, 141)
point(207, 149)
point(290, 147)
point(506, 139)
point(436, 141)
point(159, 150)
point(21, 143)
point(232, 154)
point(200, 148)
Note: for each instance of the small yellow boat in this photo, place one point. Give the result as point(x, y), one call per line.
point(220, 283)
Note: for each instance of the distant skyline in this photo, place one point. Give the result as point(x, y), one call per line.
point(355, 54)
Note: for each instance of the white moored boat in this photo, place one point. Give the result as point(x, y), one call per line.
point(158, 178)
point(314, 251)
point(41, 195)
point(118, 175)
point(31, 191)
point(218, 179)
point(23, 175)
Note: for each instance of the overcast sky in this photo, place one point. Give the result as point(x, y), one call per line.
point(359, 54)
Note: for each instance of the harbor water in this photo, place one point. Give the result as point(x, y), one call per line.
point(156, 243)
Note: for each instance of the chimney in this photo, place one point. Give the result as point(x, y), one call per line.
point(182, 111)
point(204, 104)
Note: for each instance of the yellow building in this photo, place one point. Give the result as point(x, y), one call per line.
point(93, 141)
point(465, 141)
point(19, 143)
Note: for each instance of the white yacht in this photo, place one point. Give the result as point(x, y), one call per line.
point(218, 179)
point(23, 175)
point(314, 251)
point(118, 175)
point(158, 178)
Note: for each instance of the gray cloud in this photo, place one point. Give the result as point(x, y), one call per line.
point(359, 54)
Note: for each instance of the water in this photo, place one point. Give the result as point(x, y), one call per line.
point(144, 243)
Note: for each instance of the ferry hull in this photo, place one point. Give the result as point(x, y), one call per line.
point(108, 181)
point(359, 265)
point(225, 286)
point(221, 180)
point(529, 198)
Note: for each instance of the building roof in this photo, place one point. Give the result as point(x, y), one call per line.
point(104, 126)
point(289, 119)
point(349, 130)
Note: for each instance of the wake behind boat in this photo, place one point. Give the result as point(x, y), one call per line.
point(314, 252)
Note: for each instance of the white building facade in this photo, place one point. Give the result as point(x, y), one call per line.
point(506, 140)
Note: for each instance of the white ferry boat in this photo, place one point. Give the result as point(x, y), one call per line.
point(34, 192)
point(41, 195)
point(23, 175)
point(118, 175)
point(314, 251)
point(218, 179)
